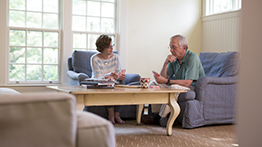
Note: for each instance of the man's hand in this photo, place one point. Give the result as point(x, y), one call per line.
point(160, 79)
point(170, 58)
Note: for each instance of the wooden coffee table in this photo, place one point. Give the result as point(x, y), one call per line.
point(126, 96)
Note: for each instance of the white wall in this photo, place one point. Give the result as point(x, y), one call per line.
point(151, 23)
point(249, 129)
point(220, 32)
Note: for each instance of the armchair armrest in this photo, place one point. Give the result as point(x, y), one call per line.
point(82, 77)
point(77, 76)
point(204, 81)
point(132, 79)
point(189, 95)
point(210, 85)
point(72, 75)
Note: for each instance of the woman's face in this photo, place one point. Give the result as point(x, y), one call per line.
point(108, 50)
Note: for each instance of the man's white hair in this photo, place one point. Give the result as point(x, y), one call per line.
point(181, 40)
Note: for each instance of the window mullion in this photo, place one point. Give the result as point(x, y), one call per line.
point(26, 54)
point(87, 48)
point(115, 17)
point(42, 12)
point(43, 46)
point(211, 4)
point(86, 25)
point(100, 16)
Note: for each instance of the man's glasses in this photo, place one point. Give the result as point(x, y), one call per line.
point(173, 47)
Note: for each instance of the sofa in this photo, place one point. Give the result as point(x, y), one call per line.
point(79, 68)
point(213, 100)
point(50, 120)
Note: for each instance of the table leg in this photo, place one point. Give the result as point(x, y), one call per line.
point(175, 109)
point(139, 109)
point(80, 102)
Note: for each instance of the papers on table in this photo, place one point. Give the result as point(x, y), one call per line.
point(101, 80)
point(97, 83)
point(129, 86)
point(174, 86)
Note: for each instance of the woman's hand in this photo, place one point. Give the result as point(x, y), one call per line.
point(114, 75)
point(122, 77)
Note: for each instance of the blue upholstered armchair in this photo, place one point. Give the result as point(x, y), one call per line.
point(79, 68)
point(213, 100)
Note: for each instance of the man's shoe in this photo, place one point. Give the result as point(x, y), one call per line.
point(146, 119)
point(163, 121)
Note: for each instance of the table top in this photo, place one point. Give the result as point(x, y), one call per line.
point(81, 90)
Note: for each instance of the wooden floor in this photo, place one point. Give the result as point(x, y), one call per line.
point(132, 135)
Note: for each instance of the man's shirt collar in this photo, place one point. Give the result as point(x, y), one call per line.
point(185, 57)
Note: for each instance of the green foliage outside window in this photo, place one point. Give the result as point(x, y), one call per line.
point(33, 54)
point(92, 18)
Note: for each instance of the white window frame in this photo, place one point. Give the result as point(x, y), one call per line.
point(94, 33)
point(65, 40)
point(208, 6)
point(42, 82)
point(97, 33)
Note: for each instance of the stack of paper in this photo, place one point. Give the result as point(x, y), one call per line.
point(174, 86)
point(98, 83)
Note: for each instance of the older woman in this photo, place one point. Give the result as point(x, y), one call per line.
point(107, 63)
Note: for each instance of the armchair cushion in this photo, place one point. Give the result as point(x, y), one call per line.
point(81, 62)
point(219, 64)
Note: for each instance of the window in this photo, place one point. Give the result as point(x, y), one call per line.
point(34, 41)
point(221, 6)
point(91, 18)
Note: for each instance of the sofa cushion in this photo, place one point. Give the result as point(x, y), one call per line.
point(219, 64)
point(38, 119)
point(93, 130)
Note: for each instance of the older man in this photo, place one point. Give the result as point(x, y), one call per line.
point(183, 64)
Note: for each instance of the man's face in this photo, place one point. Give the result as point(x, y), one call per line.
point(176, 50)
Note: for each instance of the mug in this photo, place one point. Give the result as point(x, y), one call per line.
point(145, 82)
